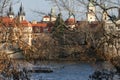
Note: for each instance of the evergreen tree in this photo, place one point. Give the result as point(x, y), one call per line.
point(60, 26)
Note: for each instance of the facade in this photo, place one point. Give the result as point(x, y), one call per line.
point(40, 27)
point(46, 18)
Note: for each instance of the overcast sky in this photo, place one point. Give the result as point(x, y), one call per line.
point(29, 5)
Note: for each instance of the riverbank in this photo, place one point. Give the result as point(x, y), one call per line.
point(62, 69)
point(68, 70)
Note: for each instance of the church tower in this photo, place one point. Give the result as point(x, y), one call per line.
point(91, 16)
point(21, 13)
point(105, 15)
point(52, 15)
point(10, 13)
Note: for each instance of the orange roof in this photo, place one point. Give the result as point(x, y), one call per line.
point(25, 23)
point(46, 16)
point(41, 24)
point(6, 19)
point(70, 21)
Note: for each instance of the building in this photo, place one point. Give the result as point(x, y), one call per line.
point(71, 22)
point(51, 17)
point(91, 11)
point(45, 25)
point(41, 27)
point(21, 13)
point(46, 18)
point(17, 27)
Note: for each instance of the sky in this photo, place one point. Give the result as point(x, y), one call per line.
point(42, 6)
point(38, 5)
point(30, 5)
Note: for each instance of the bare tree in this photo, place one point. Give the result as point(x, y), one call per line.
point(100, 5)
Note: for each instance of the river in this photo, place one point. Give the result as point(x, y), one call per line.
point(67, 70)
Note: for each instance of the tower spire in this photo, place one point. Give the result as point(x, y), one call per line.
point(105, 15)
point(52, 15)
point(52, 12)
point(91, 16)
point(10, 11)
point(21, 13)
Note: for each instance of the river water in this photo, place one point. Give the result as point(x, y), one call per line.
point(67, 70)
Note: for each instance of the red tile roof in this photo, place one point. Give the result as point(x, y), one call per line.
point(8, 21)
point(25, 23)
point(46, 16)
point(70, 21)
point(41, 24)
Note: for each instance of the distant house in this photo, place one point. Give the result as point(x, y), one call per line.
point(46, 19)
point(71, 23)
point(45, 25)
point(40, 27)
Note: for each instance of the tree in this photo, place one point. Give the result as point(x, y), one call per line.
point(10, 40)
point(59, 26)
point(109, 38)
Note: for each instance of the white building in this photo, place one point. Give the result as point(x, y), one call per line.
point(91, 13)
point(19, 25)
